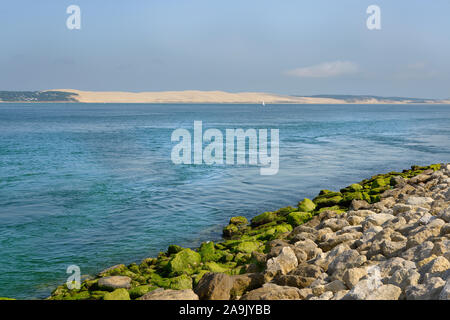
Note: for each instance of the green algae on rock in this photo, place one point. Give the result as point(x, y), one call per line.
point(239, 252)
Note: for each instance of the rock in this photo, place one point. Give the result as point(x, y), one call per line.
point(419, 252)
point(246, 282)
point(264, 218)
point(114, 282)
point(346, 260)
point(326, 296)
point(419, 201)
point(334, 224)
point(187, 294)
point(359, 204)
point(293, 280)
point(118, 294)
point(353, 275)
point(445, 293)
point(335, 286)
point(306, 205)
point(390, 249)
point(139, 291)
point(283, 263)
point(423, 233)
point(404, 278)
point(361, 291)
point(309, 247)
point(272, 291)
point(429, 291)
point(110, 270)
point(214, 286)
point(355, 220)
point(376, 220)
point(305, 293)
point(340, 294)
point(445, 215)
point(385, 292)
point(400, 208)
point(435, 266)
point(184, 262)
point(334, 239)
point(388, 267)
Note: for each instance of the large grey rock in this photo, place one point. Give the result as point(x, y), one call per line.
point(346, 260)
point(404, 278)
point(187, 294)
point(272, 291)
point(283, 263)
point(385, 292)
point(353, 275)
point(214, 286)
point(114, 282)
point(246, 282)
point(429, 291)
point(445, 293)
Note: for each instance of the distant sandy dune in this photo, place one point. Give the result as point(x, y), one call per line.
point(194, 96)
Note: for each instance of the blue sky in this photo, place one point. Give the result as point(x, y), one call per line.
point(289, 47)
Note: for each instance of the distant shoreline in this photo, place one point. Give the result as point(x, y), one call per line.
point(197, 97)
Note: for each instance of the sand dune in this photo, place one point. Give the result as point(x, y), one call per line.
point(195, 96)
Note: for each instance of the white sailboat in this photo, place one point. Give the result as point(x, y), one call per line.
point(263, 104)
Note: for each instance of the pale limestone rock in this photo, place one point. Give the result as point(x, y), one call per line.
point(283, 263)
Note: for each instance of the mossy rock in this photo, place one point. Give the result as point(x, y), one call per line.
point(134, 268)
point(264, 218)
point(238, 220)
point(285, 211)
point(236, 271)
point(159, 281)
point(379, 190)
point(215, 267)
point(366, 197)
point(173, 249)
point(350, 196)
point(328, 201)
point(83, 295)
point(98, 294)
point(306, 205)
point(379, 182)
point(248, 246)
point(4, 298)
point(274, 232)
point(139, 291)
point(184, 261)
point(242, 258)
point(374, 198)
point(197, 277)
point(298, 218)
point(336, 209)
point(90, 284)
point(114, 271)
point(118, 294)
point(208, 252)
point(181, 282)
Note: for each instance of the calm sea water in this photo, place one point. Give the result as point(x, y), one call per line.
point(93, 184)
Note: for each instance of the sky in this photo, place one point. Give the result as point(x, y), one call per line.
point(287, 47)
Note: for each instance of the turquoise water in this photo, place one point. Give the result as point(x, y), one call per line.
point(93, 184)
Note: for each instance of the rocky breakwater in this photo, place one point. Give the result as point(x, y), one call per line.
point(387, 237)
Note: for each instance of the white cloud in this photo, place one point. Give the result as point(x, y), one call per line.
point(325, 70)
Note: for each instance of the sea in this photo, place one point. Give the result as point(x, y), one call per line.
point(94, 185)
